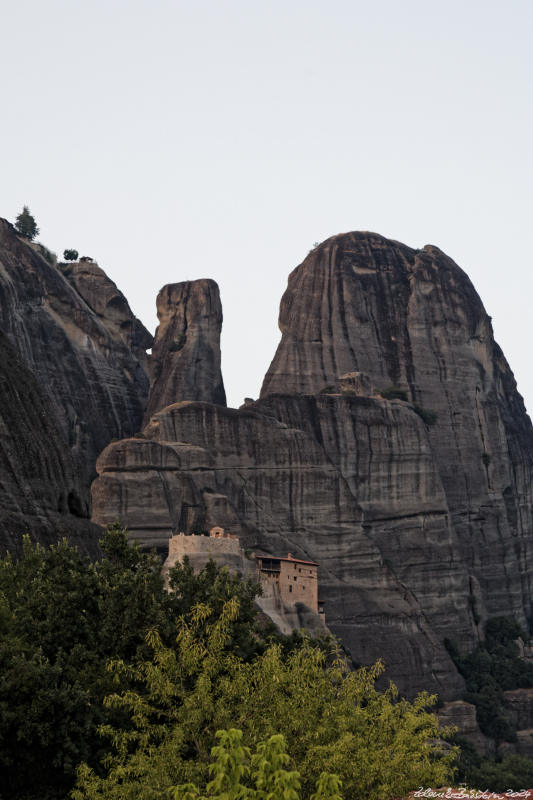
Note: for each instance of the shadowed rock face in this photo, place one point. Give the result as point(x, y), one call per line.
point(40, 489)
point(186, 354)
point(74, 340)
point(412, 318)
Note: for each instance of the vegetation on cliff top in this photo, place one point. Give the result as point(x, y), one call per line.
point(25, 224)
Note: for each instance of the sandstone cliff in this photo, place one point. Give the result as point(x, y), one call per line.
point(80, 341)
point(417, 504)
point(41, 492)
point(412, 318)
point(110, 306)
point(185, 361)
point(276, 487)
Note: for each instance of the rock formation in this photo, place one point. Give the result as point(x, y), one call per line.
point(186, 353)
point(110, 306)
point(277, 488)
point(412, 319)
point(41, 492)
point(389, 445)
point(80, 341)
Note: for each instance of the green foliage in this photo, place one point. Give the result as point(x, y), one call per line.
point(178, 343)
point(393, 393)
point(26, 225)
point(497, 773)
point(46, 253)
point(486, 459)
point(489, 670)
point(334, 721)
point(328, 390)
point(428, 416)
point(62, 618)
point(70, 255)
point(234, 771)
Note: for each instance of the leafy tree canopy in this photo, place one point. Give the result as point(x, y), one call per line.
point(101, 666)
point(334, 721)
point(70, 255)
point(62, 618)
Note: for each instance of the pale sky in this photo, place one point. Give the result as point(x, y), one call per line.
point(176, 140)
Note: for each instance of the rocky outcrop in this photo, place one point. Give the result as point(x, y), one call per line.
point(79, 340)
point(462, 715)
point(412, 319)
point(41, 492)
point(277, 488)
point(110, 306)
point(389, 445)
point(186, 354)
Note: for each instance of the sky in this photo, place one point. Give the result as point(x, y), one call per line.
point(173, 140)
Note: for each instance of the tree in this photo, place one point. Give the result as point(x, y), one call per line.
point(334, 721)
point(26, 225)
point(62, 617)
point(70, 255)
point(267, 769)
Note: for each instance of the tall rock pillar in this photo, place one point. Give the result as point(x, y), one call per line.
point(185, 361)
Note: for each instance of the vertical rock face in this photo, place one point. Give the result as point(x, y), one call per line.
point(416, 503)
point(78, 352)
point(276, 486)
point(412, 318)
point(110, 306)
point(41, 492)
point(186, 354)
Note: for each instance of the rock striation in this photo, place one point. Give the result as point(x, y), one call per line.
point(390, 445)
point(110, 306)
point(41, 491)
point(186, 353)
point(412, 319)
point(81, 342)
point(276, 487)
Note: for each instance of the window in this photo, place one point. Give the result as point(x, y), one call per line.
point(290, 588)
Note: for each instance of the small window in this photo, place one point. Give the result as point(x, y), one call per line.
point(290, 588)
point(303, 587)
point(299, 570)
point(295, 578)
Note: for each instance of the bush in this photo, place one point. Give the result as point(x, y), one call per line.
point(428, 416)
point(489, 670)
point(46, 253)
point(393, 393)
point(500, 774)
point(328, 390)
point(70, 255)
